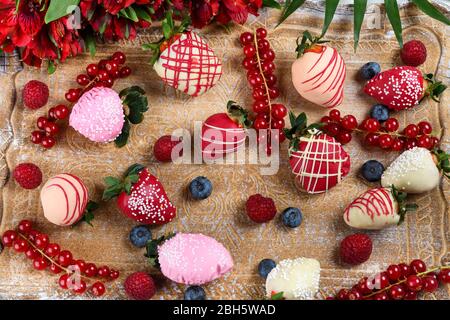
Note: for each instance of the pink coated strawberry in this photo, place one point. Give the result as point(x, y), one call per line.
point(403, 87)
point(141, 196)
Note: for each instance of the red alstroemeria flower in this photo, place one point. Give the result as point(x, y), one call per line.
point(31, 15)
point(66, 40)
point(114, 6)
point(203, 11)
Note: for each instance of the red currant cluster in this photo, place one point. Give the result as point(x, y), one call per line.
point(398, 282)
point(102, 74)
point(48, 127)
point(260, 67)
point(37, 247)
point(385, 136)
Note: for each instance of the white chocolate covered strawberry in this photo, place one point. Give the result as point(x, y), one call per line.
point(416, 170)
point(294, 279)
point(319, 72)
point(377, 208)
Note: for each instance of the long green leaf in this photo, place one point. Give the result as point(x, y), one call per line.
point(289, 8)
point(431, 10)
point(330, 9)
point(58, 9)
point(394, 17)
point(271, 4)
point(359, 9)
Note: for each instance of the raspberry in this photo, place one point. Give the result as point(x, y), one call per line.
point(35, 94)
point(356, 248)
point(140, 286)
point(413, 53)
point(163, 148)
point(28, 175)
point(260, 209)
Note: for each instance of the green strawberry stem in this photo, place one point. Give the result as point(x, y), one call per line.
point(115, 186)
point(238, 114)
point(152, 249)
point(299, 128)
point(307, 42)
point(443, 161)
point(434, 88)
point(89, 213)
point(403, 207)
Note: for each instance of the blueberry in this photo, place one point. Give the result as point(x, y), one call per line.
point(291, 217)
point(194, 293)
point(372, 170)
point(200, 188)
point(379, 112)
point(265, 266)
point(140, 235)
point(370, 70)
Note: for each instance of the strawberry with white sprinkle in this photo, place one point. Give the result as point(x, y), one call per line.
point(403, 87)
point(140, 196)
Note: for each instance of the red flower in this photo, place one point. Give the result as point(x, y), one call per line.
point(203, 11)
point(66, 39)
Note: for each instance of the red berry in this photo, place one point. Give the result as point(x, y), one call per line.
point(405, 270)
point(335, 115)
point(40, 263)
point(41, 122)
point(114, 274)
point(444, 276)
point(385, 141)
point(372, 139)
point(383, 280)
point(81, 265)
point(61, 112)
point(119, 57)
point(279, 111)
point(255, 80)
point(413, 53)
point(425, 127)
point(434, 142)
point(349, 122)
point(268, 55)
point(344, 137)
point(125, 72)
point(391, 124)
point(51, 129)
point(430, 284)
point(102, 64)
point(413, 283)
point(342, 294)
point(73, 94)
point(393, 272)
point(424, 142)
point(410, 143)
point(98, 289)
point(92, 70)
point(164, 146)
point(249, 63)
point(261, 107)
point(33, 235)
point(411, 131)
point(274, 93)
point(354, 294)
point(410, 295)
point(332, 129)
point(51, 115)
point(246, 38)
point(20, 245)
point(418, 266)
point(111, 67)
point(268, 67)
point(103, 75)
point(364, 286)
point(249, 50)
point(79, 287)
point(83, 79)
point(32, 253)
point(325, 120)
point(28, 175)
point(103, 272)
point(41, 241)
point(381, 296)
point(356, 249)
point(263, 45)
point(55, 269)
point(260, 123)
point(25, 226)
point(65, 258)
point(52, 250)
point(397, 292)
point(48, 142)
point(371, 125)
point(260, 209)
point(277, 124)
point(108, 82)
point(91, 270)
point(8, 238)
point(397, 144)
point(271, 79)
point(63, 281)
point(37, 136)
point(261, 33)
point(139, 286)
point(35, 94)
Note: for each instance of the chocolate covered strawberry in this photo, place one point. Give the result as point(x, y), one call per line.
point(184, 60)
point(317, 160)
point(140, 196)
point(403, 87)
point(224, 133)
point(319, 72)
point(377, 209)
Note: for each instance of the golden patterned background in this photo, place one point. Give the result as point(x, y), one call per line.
point(423, 235)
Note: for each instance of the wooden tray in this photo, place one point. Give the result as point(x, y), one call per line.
point(423, 235)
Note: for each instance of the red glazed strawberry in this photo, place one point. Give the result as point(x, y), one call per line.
point(317, 160)
point(356, 249)
point(139, 286)
point(164, 146)
point(224, 133)
point(140, 196)
point(413, 53)
point(35, 94)
point(260, 209)
point(28, 175)
point(403, 87)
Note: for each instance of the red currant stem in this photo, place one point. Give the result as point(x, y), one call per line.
point(255, 39)
point(404, 280)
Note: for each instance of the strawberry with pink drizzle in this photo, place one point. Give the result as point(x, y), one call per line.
point(140, 196)
point(377, 209)
point(64, 199)
point(319, 72)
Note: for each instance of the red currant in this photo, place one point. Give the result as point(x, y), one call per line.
point(246, 38)
point(25, 226)
point(37, 136)
point(405, 270)
point(42, 122)
point(268, 67)
point(372, 139)
point(263, 45)
point(65, 258)
point(41, 241)
point(393, 272)
point(342, 294)
point(102, 64)
point(424, 142)
point(108, 83)
point(72, 95)
point(261, 33)
point(111, 67)
point(103, 272)
point(344, 137)
point(33, 235)
point(410, 143)
point(91, 270)
point(271, 80)
point(411, 131)
point(397, 144)
point(332, 129)
point(51, 114)
point(98, 289)
point(81, 265)
point(83, 79)
point(64, 281)
point(260, 123)
point(255, 80)
point(119, 57)
point(279, 111)
point(418, 266)
point(32, 253)
point(335, 115)
point(430, 284)
point(40, 263)
point(425, 127)
point(61, 112)
point(260, 107)
point(114, 274)
point(55, 269)
point(259, 93)
point(385, 141)
point(48, 142)
point(434, 142)
point(103, 75)
point(92, 70)
point(268, 55)
point(20, 245)
point(397, 292)
point(249, 50)
point(382, 296)
point(444, 276)
point(413, 283)
point(371, 125)
point(410, 295)
point(349, 122)
point(354, 294)
point(51, 129)
point(274, 93)
point(278, 123)
point(391, 124)
point(79, 287)
point(249, 63)
point(52, 250)
point(363, 286)
point(383, 280)
point(325, 120)
point(125, 72)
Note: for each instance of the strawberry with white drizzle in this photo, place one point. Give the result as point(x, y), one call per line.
point(317, 160)
point(417, 170)
point(403, 87)
point(224, 133)
point(377, 208)
point(140, 196)
point(319, 72)
point(184, 60)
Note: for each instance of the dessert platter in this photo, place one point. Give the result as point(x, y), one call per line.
point(358, 205)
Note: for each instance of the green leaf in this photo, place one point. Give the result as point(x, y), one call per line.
point(289, 8)
point(134, 169)
point(431, 10)
point(89, 213)
point(394, 17)
point(277, 296)
point(58, 9)
point(128, 90)
point(143, 14)
point(129, 13)
point(152, 249)
point(122, 139)
point(89, 41)
point(17, 5)
point(359, 10)
point(271, 4)
point(51, 67)
point(111, 181)
point(330, 9)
